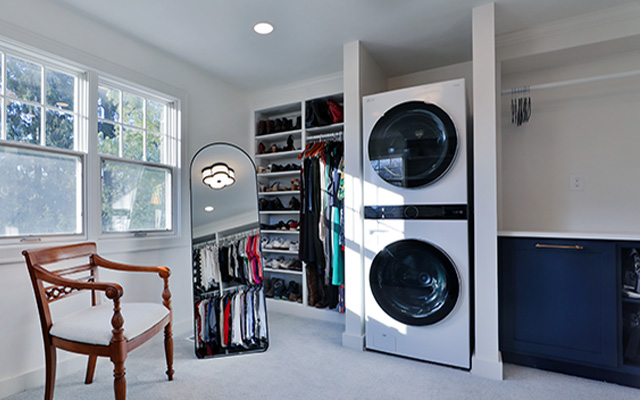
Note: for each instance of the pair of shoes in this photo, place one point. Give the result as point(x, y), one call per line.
point(290, 146)
point(295, 184)
point(275, 243)
point(263, 170)
point(275, 204)
point(261, 148)
point(288, 167)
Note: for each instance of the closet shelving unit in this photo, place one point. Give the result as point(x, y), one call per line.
point(301, 135)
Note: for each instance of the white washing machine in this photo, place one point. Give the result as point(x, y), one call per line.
point(417, 287)
point(415, 145)
point(417, 297)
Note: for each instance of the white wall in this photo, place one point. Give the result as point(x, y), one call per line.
point(590, 130)
point(211, 111)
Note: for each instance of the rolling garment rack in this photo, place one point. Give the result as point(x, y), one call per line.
point(229, 306)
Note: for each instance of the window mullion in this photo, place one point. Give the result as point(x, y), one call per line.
point(43, 110)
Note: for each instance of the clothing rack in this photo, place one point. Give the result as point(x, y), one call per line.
point(227, 238)
point(333, 135)
point(523, 89)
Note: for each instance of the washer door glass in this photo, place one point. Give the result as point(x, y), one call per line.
point(413, 144)
point(414, 282)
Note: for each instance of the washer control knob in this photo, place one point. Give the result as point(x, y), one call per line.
point(411, 212)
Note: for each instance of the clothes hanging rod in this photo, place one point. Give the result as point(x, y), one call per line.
point(326, 136)
point(569, 82)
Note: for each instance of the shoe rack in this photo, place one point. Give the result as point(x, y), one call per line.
point(279, 139)
point(278, 169)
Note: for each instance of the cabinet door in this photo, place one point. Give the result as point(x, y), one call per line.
point(558, 300)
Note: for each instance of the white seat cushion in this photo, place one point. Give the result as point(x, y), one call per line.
point(93, 325)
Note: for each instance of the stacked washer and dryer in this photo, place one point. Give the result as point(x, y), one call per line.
point(416, 240)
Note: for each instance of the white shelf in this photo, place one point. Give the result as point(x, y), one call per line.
point(279, 212)
point(273, 231)
point(279, 173)
point(280, 192)
point(280, 154)
point(279, 135)
point(276, 251)
point(282, 271)
point(325, 129)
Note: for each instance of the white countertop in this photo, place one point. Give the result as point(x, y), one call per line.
point(572, 235)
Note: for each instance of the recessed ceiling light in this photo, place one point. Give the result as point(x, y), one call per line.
point(263, 28)
point(208, 208)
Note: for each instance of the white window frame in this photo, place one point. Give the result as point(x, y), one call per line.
point(173, 144)
point(79, 112)
point(85, 145)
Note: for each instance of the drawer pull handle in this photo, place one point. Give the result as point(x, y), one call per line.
point(558, 246)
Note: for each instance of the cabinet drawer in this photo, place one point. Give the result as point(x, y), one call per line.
point(558, 299)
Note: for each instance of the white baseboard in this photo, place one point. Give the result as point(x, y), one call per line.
point(68, 363)
point(355, 342)
point(489, 369)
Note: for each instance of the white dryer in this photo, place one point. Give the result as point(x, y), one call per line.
point(415, 145)
point(417, 283)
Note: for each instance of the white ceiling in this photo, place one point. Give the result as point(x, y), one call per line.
point(403, 36)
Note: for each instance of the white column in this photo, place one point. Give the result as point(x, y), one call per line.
point(486, 359)
point(361, 77)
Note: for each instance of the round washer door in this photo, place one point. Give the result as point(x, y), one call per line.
point(414, 282)
point(413, 144)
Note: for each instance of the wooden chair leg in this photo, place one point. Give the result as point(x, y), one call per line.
point(50, 372)
point(91, 368)
point(119, 380)
point(168, 350)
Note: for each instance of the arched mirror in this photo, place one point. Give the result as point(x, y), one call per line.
point(225, 238)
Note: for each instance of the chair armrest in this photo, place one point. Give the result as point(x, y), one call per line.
point(164, 272)
point(112, 290)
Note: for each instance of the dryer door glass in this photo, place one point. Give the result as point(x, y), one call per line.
point(414, 282)
point(413, 144)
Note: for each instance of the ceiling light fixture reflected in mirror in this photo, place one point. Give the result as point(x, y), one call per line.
point(209, 208)
point(263, 28)
point(218, 176)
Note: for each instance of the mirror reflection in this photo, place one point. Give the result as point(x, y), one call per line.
point(227, 270)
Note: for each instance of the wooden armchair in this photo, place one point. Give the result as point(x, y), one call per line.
point(100, 330)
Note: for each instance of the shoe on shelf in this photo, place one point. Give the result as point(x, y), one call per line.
point(274, 149)
point(275, 244)
point(271, 126)
point(261, 148)
point(290, 146)
point(294, 203)
point(263, 170)
point(294, 291)
point(275, 186)
point(278, 288)
point(276, 204)
point(268, 288)
point(293, 224)
point(295, 184)
point(296, 265)
point(294, 245)
point(263, 204)
point(285, 245)
point(278, 125)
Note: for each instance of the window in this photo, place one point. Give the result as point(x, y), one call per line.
point(41, 155)
point(138, 152)
point(49, 139)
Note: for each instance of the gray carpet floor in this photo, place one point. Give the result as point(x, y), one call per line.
point(305, 360)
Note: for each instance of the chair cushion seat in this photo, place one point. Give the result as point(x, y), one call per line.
point(93, 325)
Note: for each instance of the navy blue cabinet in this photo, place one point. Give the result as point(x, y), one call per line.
point(558, 300)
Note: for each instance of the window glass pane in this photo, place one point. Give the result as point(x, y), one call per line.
point(108, 103)
point(108, 139)
point(133, 110)
point(40, 193)
point(23, 122)
point(60, 90)
point(59, 129)
point(154, 147)
point(133, 144)
point(134, 197)
point(24, 79)
point(155, 116)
